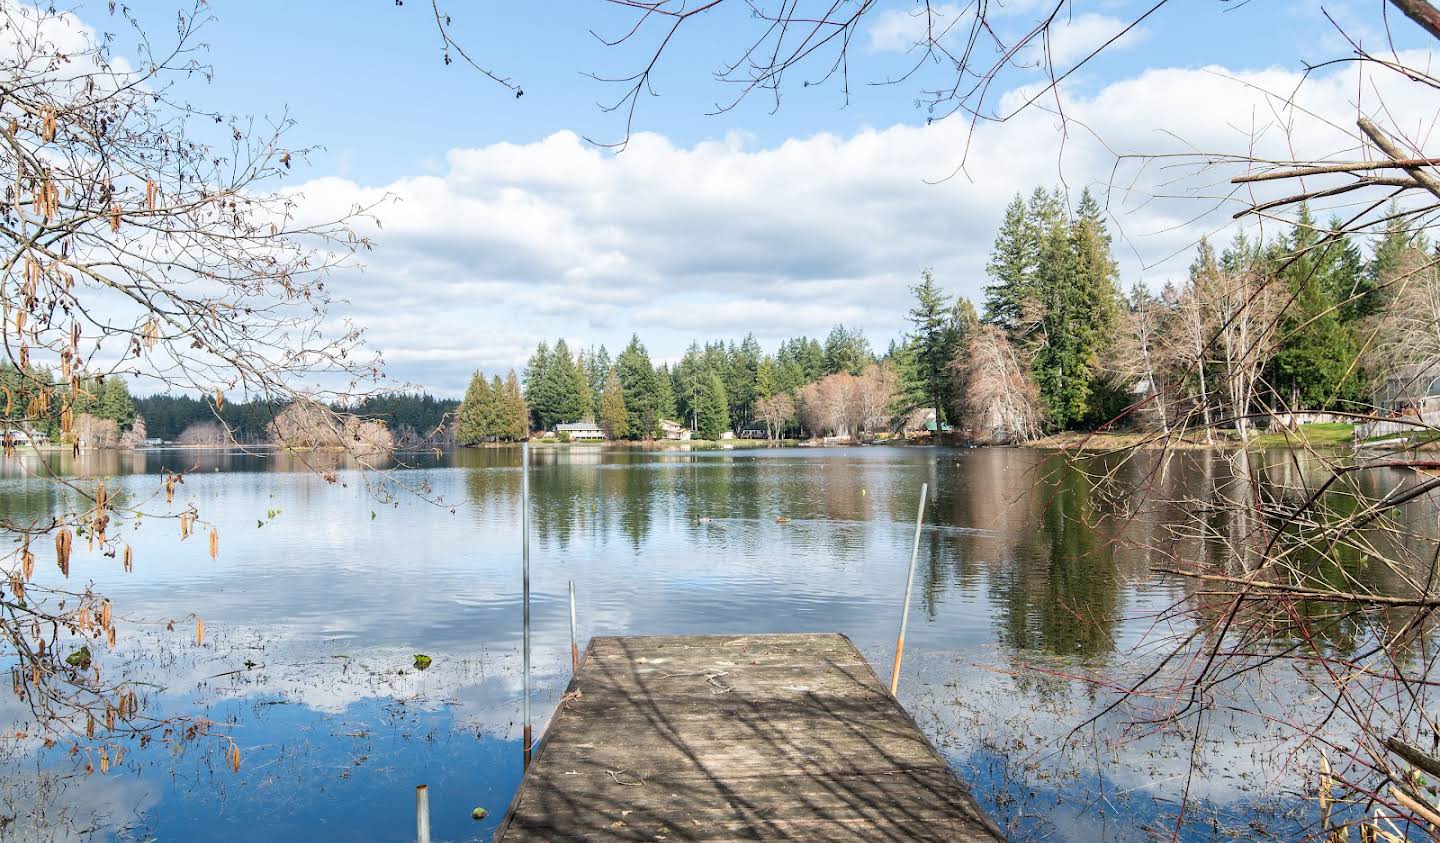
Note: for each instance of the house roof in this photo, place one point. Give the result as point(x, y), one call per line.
point(571, 426)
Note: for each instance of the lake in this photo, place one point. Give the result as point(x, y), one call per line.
point(1033, 570)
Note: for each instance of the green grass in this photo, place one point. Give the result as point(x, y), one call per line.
point(1315, 435)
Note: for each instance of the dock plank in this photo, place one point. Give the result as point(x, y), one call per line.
point(736, 737)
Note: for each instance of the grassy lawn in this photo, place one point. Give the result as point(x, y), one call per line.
point(1317, 435)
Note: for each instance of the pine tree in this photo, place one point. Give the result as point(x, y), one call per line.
point(934, 339)
point(496, 419)
point(637, 379)
point(114, 403)
point(1080, 304)
point(846, 350)
point(665, 407)
point(713, 413)
point(613, 415)
point(570, 387)
point(743, 366)
point(517, 412)
point(1385, 265)
point(471, 424)
point(539, 391)
point(689, 377)
point(1316, 351)
point(1012, 267)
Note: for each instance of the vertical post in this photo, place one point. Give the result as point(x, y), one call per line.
point(422, 813)
point(909, 583)
point(525, 591)
point(574, 646)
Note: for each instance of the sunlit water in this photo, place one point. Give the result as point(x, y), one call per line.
point(323, 593)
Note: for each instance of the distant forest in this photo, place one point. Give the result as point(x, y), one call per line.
point(412, 416)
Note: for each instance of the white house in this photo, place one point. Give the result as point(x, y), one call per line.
point(580, 430)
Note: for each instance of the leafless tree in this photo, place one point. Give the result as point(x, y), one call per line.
point(999, 405)
point(153, 239)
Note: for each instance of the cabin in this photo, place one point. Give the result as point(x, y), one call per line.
point(673, 430)
point(1407, 398)
point(20, 436)
point(580, 431)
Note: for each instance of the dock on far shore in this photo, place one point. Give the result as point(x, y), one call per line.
point(736, 737)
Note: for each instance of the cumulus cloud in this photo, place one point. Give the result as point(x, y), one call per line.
point(897, 30)
point(1073, 38)
point(513, 243)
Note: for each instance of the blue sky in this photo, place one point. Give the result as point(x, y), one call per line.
point(510, 228)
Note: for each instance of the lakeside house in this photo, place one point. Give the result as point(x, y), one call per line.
point(580, 431)
point(20, 436)
point(673, 430)
point(1409, 394)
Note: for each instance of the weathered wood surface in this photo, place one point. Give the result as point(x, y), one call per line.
point(739, 737)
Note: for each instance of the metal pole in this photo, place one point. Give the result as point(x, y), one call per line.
point(525, 599)
point(909, 583)
point(574, 646)
point(422, 813)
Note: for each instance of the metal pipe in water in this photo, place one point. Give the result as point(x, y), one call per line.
point(909, 583)
point(525, 591)
point(422, 813)
point(574, 645)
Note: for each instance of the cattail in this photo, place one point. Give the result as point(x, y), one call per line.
point(62, 550)
point(214, 543)
point(199, 633)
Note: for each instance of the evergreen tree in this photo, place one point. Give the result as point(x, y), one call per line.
point(637, 379)
point(613, 415)
point(1385, 265)
point(472, 423)
point(846, 350)
point(934, 339)
point(1080, 298)
point(689, 378)
point(665, 407)
point(1012, 267)
point(1316, 350)
point(517, 412)
point(112, 401)
point(570, 386)
point(496, 418)
point(539, 391)
point(713, 413)
point(767, 378)
point(742, 368)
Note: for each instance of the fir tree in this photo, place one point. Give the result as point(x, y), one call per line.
point(517, 412)
point(713, 413)
point(471, 422)
point(613, 415)
point(1316, 351)
point(934, 339)
point(637, 379)
point(1012, 267)
point(665, 407)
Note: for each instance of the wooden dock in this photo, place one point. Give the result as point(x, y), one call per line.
point(736, 737)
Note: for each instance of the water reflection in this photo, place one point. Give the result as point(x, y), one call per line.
point(1026, 556)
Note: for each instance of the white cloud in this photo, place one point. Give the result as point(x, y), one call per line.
point(897, 30)
point(1073, 38)
point(518, 242)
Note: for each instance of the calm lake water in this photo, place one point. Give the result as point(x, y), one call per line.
point(322, 594)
